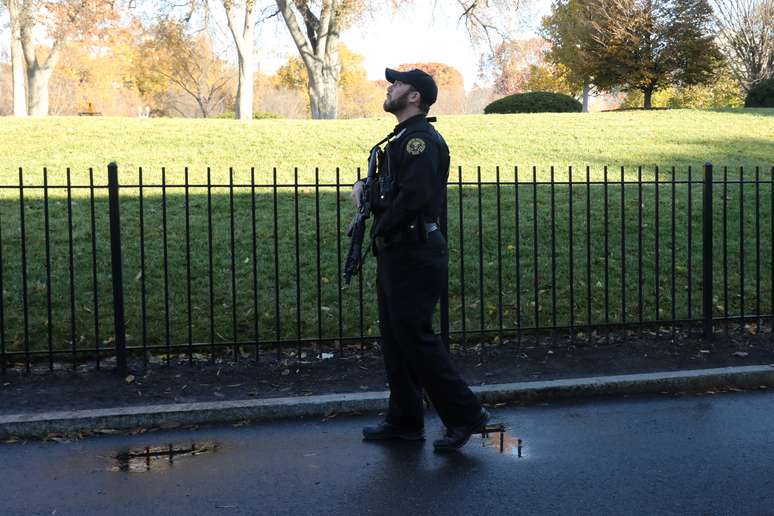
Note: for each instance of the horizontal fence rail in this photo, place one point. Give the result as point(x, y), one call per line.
point(178, 263)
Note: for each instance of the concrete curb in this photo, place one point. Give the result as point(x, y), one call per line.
point(172, 415)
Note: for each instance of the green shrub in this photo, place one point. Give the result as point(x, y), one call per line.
point(722, 92)
point(761, 95)
point(535, 102)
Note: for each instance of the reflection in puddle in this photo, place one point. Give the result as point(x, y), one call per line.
point(498, 439)
point(506, 444)
point(155, 458)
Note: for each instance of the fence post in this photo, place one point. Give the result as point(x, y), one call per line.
point(707, 262)
point(117, 269)
point(444, 226)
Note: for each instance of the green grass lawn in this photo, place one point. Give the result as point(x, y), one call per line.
point(229, 307)
point(743, 137)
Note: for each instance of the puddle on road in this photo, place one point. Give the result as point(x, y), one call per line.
point(159, 458)
point(498, 440)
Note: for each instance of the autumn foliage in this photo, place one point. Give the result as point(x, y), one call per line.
point(451, 86)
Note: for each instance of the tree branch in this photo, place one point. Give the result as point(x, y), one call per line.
point(302, 42)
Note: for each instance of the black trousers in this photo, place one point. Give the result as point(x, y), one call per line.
point(410, 279)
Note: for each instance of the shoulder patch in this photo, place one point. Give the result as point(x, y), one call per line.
point(416, 146)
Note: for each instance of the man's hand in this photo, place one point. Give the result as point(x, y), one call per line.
point(357, 193)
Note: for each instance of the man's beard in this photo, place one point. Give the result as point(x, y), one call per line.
point(395, 105)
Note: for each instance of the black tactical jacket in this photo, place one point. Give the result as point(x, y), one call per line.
point(412, 178)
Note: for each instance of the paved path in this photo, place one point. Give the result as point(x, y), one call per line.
point(710, 454)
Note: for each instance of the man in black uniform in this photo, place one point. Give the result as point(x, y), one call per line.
point(412, 266)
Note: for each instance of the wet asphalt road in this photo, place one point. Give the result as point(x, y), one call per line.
point(710, 454)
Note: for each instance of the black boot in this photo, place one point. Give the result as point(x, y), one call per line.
point(457, 436)
point(385, 432)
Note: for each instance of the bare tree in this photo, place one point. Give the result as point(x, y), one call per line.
point(188, 62)
point(241, 23)
point(314, 26)
point(318, 47)
point(241, 17)
point(59, 21)
point(746, 34)
point(489, 20)
point(17, 59)
point(316, 34)
point(38, 70)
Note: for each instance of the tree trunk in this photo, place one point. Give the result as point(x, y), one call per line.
point(318, 47)
point(648, 96)
point(323, 96)
point(19, 95)
point(37, 81)
point(586, 90)
point(244, 44)
point(38, 73)
point(244, 100)
point(17, 62)
point(202, 108)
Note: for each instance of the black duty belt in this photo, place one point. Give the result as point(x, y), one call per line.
point(408, 235)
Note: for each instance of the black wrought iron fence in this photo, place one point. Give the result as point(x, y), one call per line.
point(184, 265)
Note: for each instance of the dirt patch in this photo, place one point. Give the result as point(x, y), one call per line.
point(360, 369)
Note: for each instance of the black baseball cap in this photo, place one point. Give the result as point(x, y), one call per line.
point(421, 81)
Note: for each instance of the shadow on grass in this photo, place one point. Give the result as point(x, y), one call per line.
point(765, 112)
point(731, 152)
point(264, 265)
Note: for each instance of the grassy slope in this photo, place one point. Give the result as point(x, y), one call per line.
point(681, 137)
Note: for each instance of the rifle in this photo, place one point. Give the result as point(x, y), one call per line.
point(356, 230)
